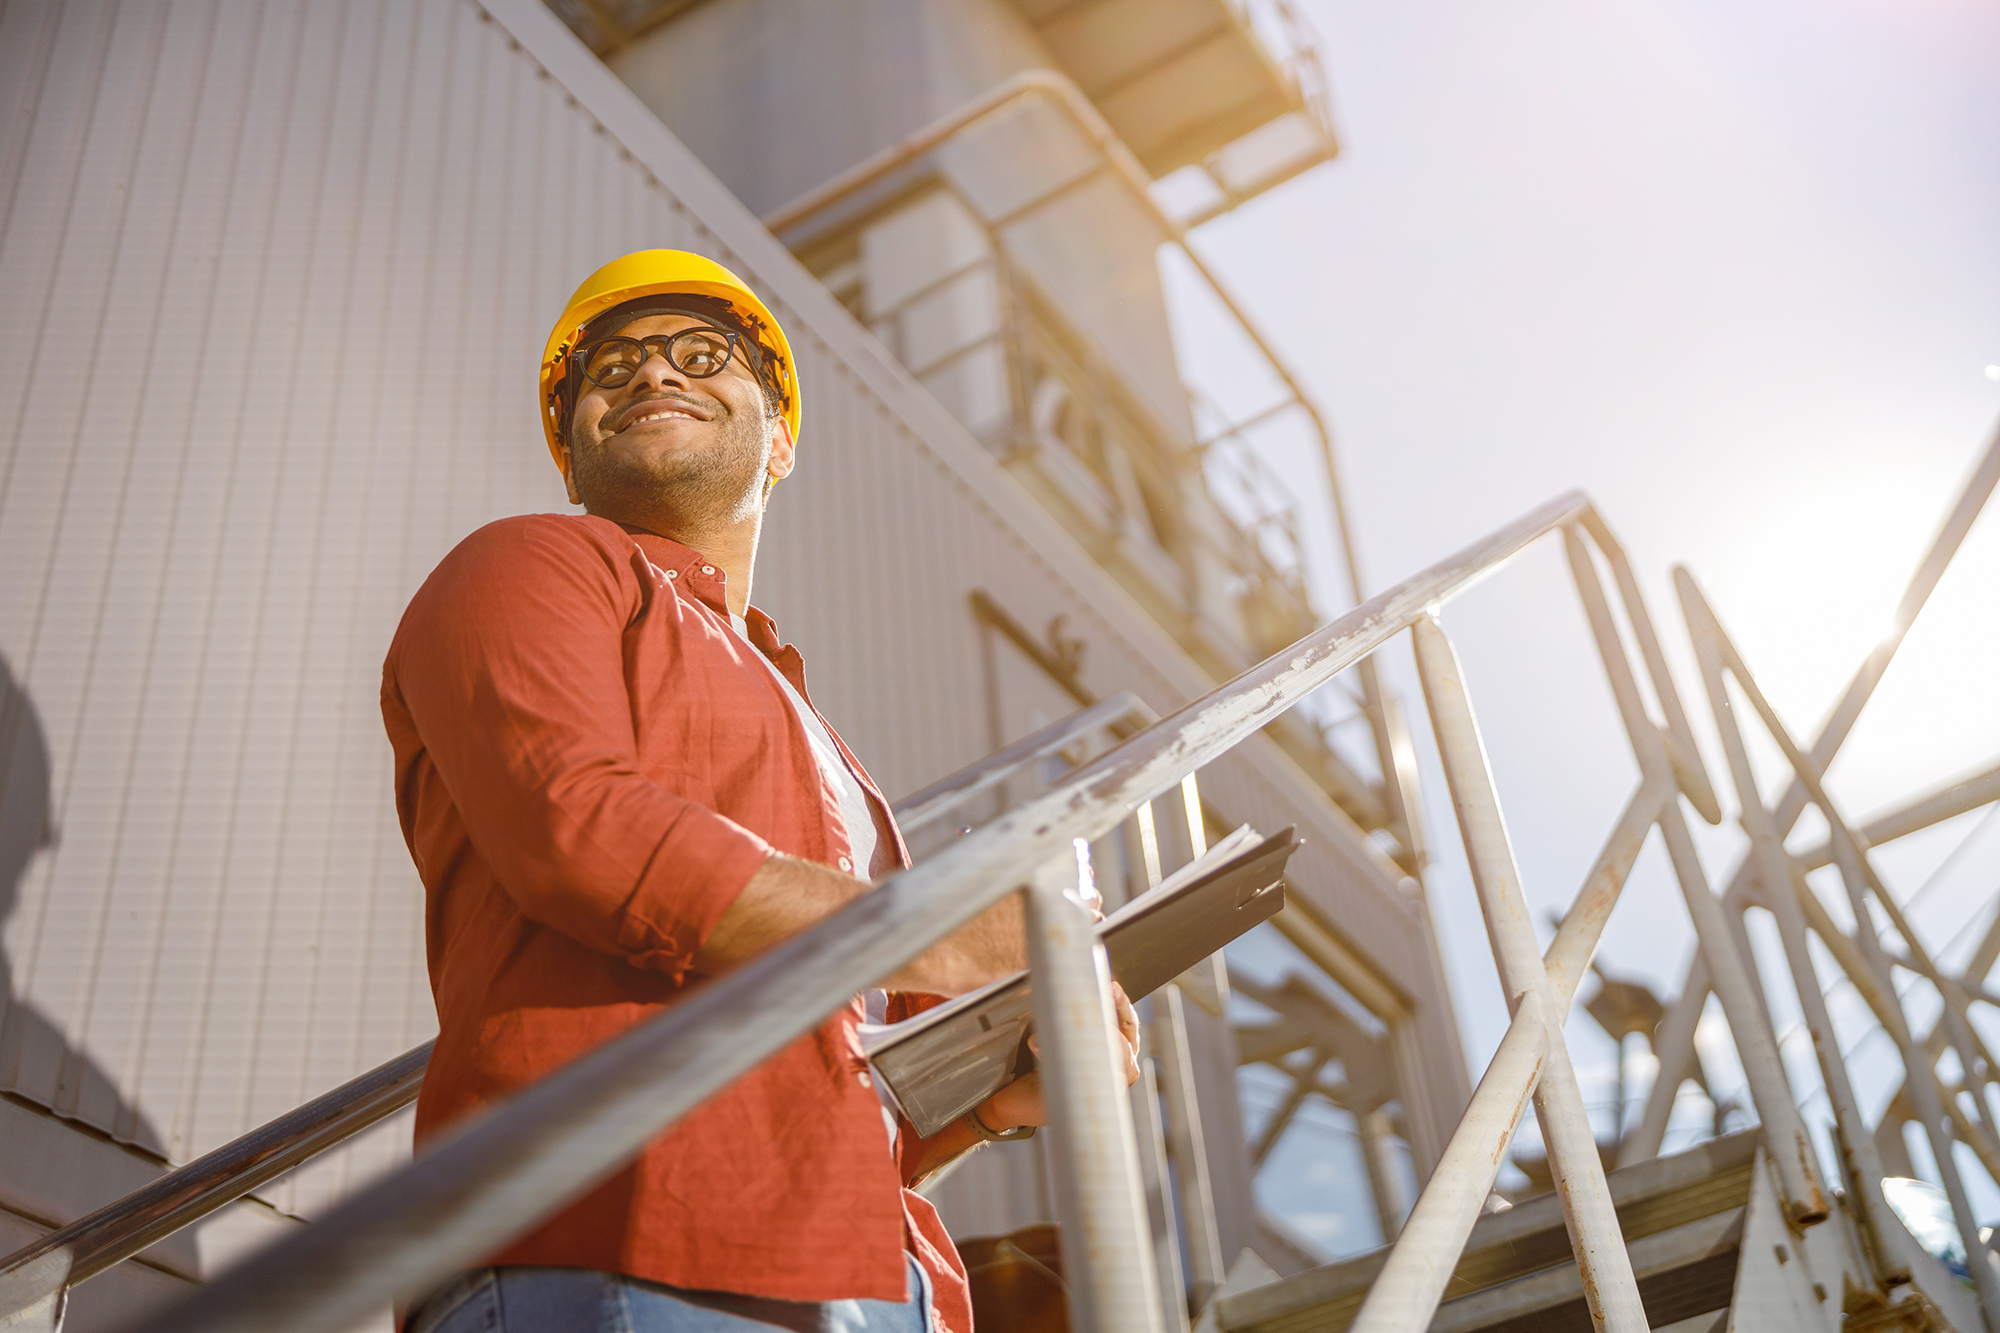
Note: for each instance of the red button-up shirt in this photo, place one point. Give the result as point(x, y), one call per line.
point(589, 767)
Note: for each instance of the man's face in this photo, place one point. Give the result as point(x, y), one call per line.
point(701, 448)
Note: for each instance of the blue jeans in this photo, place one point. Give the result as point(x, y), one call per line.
point(584, 1300)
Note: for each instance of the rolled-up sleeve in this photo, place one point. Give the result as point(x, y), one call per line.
point(510, 670)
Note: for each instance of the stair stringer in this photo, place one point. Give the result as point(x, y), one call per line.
point(1786, 1281)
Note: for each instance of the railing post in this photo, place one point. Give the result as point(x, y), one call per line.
point(1608, 1283)
point(1159, 1196)
point(1107, 1247)
point(1187, 1145)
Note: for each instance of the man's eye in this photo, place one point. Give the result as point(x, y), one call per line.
point(701, 354)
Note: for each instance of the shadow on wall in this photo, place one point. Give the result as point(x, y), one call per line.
point(29, 1042)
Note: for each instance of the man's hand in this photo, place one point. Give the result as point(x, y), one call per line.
point(1020, 1102)
point(788, 895)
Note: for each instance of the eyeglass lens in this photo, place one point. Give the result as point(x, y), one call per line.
point(696, 353)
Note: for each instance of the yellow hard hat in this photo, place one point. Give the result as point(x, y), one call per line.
point(660, 273)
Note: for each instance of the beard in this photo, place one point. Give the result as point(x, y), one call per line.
point(719, 481)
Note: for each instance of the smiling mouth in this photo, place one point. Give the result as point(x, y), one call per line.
point(661, 413)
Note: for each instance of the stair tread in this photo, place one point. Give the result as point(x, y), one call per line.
point(1652, 1198)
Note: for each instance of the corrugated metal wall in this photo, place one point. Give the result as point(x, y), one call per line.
point(273, 280)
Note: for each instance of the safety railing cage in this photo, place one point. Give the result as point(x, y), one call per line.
point(491, 1178)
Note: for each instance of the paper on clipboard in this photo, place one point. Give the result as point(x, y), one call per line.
point(946, 1060)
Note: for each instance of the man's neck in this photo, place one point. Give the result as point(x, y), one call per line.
point(730, 545)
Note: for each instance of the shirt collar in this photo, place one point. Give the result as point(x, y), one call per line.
point(707, 582)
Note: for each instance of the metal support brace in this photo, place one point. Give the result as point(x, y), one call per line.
point(1608, 1284)
point(1786, 1139)
point(1979, 487)
point(1673, 1045)
point(1107, 1246)
point(1385, 1177)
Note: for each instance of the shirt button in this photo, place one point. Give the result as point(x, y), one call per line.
point(863, 1079)
point(847, 865)
point(673, 573)
point(708, 569)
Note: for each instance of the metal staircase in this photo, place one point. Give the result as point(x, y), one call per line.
point(1750, 1231)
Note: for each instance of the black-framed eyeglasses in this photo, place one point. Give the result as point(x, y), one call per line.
point(698, 353)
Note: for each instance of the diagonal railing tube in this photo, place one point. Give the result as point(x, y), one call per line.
point(497, 1174)
point(1412, 1281)
point(121, 1229)
point(1609, 1286)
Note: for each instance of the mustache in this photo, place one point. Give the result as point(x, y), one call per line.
point(695, 407)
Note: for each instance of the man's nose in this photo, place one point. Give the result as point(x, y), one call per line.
point(656, 373)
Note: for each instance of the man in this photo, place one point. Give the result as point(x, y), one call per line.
point(614, 784)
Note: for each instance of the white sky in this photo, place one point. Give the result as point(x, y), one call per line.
point(1732, 267)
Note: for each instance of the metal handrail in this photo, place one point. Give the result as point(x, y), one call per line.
point(122, 1228)
point(493, 1176)
point(119, 1230)
point(923, 807)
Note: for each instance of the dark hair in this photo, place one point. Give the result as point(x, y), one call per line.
point(765, 360)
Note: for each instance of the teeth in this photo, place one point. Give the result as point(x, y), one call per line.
point(662, 416)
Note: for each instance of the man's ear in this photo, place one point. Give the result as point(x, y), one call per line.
point(782, 450)
point(569, 476)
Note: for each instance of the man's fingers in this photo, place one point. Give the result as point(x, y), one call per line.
point(1128, 1028)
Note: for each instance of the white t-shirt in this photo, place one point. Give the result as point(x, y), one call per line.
point(865, 842)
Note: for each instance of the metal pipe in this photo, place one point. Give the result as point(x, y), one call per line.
point(1789, 1145)
point(1100, 1202)
point(128, 1225)
point(1724, 964)
point(1152, 1136)
point(1951, 535)
point(1957, 798)
point(1682, 753)
point(1405, 1294)
point(1385, 1179)
point(921, 807)
point(1608, 1284)
point(1858, 873)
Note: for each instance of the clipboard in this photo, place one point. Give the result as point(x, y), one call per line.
point(950, 1058)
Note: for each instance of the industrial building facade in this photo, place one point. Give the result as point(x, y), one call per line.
point(273, 279)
